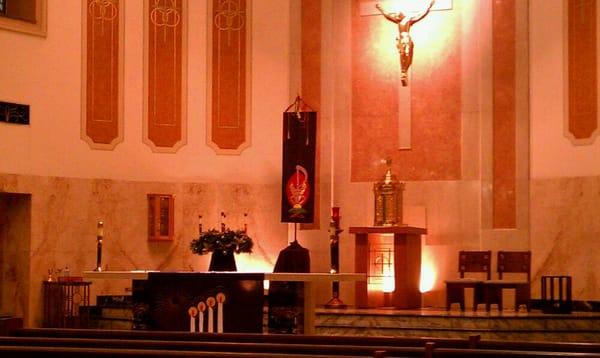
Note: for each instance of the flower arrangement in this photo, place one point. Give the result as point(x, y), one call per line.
point(226, 240)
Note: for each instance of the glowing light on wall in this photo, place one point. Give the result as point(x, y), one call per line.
point(381, 264)
point(252, 263)
point(431, 41)
point(428, 273)
point(249, 263)
point(389, 282)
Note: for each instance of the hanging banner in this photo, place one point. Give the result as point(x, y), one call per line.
point(298, 169)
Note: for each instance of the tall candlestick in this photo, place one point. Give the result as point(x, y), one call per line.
point(199, 224)
point(245, 222)
point(334, 245)
point(99, 238)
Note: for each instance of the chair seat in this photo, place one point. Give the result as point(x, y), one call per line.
point(505, 282)
point(464, 280)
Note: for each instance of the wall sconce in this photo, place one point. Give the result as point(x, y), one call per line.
point(404, 20)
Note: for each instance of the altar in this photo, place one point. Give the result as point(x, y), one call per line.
point(226, 301)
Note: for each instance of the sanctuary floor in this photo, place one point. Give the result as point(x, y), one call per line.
point(504, 325)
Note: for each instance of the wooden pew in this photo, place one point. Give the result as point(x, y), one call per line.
point(24, 348)
point(200, 346)
point(68, 352)
point(472, 342)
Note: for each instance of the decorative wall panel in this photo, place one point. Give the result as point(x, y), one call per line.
point(102, 73)
point(582, 72)
point(435, 98)
point(310, 58)
point(504, 113)
point(228, 127)
point(165, 65)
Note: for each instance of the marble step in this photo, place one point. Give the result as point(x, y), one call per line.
point(495, 325)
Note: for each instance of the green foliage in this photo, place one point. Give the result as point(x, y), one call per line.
point(228, 240)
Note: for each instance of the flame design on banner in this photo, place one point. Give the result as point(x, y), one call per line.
point(298, 177)
point(298, 191)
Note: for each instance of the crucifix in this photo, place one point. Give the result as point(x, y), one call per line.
point(405, 48)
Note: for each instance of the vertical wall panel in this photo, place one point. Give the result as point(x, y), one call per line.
point(102, 80)
point(582, 70)
point(504, 113)
point(228, 128)
point(435, 95)
point(311, 82)
point(165, 74)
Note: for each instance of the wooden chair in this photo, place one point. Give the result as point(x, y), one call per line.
point(469, 262)
point(510, 262)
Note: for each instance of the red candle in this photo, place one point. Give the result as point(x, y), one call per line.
point(335, 215)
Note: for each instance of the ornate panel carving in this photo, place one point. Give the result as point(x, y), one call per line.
point(228, 128)
point(102, 73)
point(165, 67)
point(504, 113)
point(582, 72)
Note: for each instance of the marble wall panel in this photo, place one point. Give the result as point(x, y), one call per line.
point(15, 210)
point(65, 212)
point(565, 232)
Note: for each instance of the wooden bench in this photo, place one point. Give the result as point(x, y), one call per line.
point(429, 350)
point(376, 342)
point(205, 346)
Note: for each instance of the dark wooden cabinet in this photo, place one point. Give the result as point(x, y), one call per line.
point(62, 301)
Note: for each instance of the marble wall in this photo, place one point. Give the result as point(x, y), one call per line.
point(15, 213)
point(64, 213)
point(565, 232)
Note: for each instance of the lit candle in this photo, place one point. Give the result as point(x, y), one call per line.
point(192, 312)
point(201, 309)
point(210, 302)
point(220, 299)
point(335, 216)
point(100, 229)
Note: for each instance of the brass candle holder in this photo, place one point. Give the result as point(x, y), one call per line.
point(334, 248)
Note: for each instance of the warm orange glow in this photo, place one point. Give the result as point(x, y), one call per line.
point(430, 39)
point(252, 263)
point(381, 263)
point(428, 272)
point(389, 282)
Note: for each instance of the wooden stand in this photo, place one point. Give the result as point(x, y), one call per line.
point(407, 266)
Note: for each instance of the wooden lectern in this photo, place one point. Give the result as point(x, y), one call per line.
point(407, 265)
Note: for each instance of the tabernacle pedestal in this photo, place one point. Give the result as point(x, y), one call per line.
point(407, 266)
